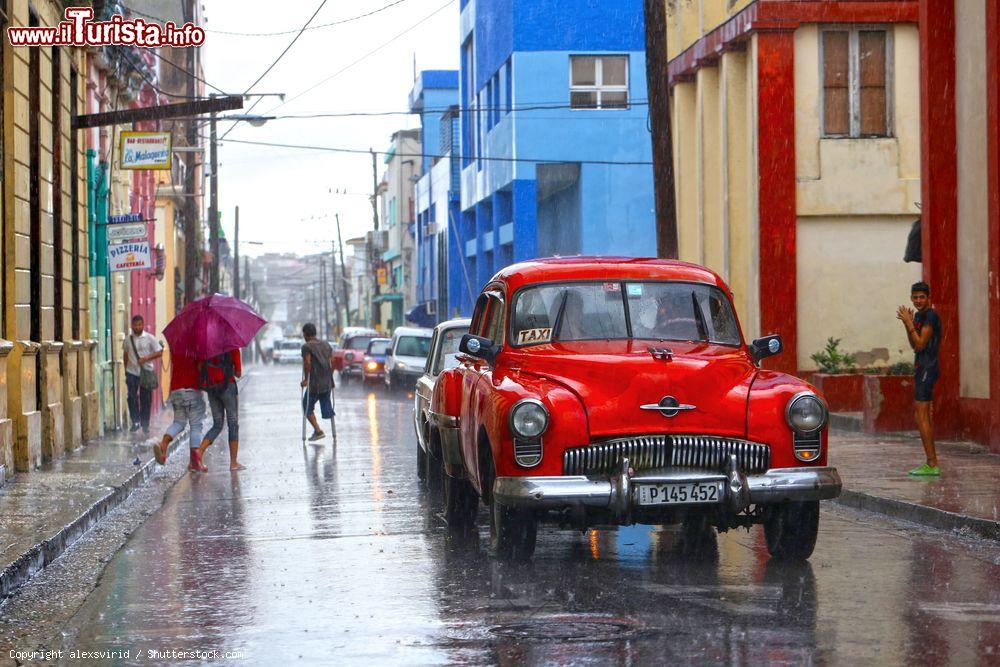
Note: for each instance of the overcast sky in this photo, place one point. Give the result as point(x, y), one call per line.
point(283, 194)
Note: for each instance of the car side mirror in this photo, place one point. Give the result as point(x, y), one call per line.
point(479, 347)
point(767, 346)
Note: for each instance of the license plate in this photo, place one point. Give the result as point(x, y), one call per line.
point(680, 493)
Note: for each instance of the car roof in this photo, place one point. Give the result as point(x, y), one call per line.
point(380, 340)
point(456, 323)
point(412, 331)
point(580, 268)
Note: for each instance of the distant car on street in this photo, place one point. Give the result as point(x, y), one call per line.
point(350, 353)
point(603, 390)
point(373, 365)
point(288, 351)
point(443, 355)
point(407, 357)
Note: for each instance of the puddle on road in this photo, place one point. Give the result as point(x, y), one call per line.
point(578, 627)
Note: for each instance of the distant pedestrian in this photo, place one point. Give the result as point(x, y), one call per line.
point(140, 350)
point(188, 402)
point(217, 376)
point(317, 378)
point(923, 331)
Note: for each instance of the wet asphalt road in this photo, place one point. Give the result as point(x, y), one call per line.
point(332, 552)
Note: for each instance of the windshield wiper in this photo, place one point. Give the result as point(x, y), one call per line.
point(557, 325)
point(699, 317)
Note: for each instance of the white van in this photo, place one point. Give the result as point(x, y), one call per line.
point(407, 357)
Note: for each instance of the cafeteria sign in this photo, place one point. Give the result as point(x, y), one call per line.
point(145, 150)
point(129, 256)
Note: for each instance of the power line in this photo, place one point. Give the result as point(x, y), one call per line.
point(282, 32)
point(276, 61)
point(542, 106)
point(366, 55)
point(360, 151)
point(186, 71)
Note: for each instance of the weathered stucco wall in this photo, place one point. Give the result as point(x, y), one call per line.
point(847, 289)
point(973, 205)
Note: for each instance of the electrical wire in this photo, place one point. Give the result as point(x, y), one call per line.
point(484, 158)
point(189, 73)
point(362, 58)
point(350, 19)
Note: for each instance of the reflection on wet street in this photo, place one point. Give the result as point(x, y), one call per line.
point(334, 552)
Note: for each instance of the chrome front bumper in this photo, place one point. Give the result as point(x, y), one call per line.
point(619, 494)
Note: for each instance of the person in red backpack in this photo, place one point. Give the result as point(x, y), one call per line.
point(218, 379)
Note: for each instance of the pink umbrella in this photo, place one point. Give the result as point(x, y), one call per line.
point(211, 326)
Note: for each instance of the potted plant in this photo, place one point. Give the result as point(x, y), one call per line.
point(838, 378)
point(887, 403)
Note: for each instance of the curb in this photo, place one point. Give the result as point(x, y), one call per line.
point(42, 554)
point(921, 514)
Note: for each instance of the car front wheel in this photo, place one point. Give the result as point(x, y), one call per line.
point(513, 531)
point(790, 529)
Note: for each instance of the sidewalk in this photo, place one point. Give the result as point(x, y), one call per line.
point(43, 512)
point(965, 498)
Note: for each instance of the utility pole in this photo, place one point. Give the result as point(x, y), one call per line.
point(374, 188)
point(213, 207)
point(658, 92)
point(343, 271)
point(236, 254)
point(336, 301)
point(323, 314)
point(191, 218)
point(246, 272)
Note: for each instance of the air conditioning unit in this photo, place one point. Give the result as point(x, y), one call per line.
point(381, 239)
point(432, 308)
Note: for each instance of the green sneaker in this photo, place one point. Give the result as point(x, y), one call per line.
point(926, 471)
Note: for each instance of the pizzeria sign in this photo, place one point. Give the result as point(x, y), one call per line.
point(145, 150)
point(129, 256)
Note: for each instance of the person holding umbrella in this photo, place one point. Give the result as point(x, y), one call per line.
point(189, 409)
point(211, 331)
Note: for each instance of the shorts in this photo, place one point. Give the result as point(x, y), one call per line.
point(325, 404)
point(923, 382)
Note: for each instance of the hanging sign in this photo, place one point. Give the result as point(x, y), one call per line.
point(145, 150)
point(120, 232)
point(129, 256)
point(126, 217)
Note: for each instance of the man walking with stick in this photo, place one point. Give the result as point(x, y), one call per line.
point(317, 379)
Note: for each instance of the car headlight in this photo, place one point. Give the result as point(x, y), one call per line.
point(400, 366)
point(806, 412)
point(372, 365)
point(529, 418)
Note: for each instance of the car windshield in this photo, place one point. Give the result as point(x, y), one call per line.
point(358, 343)
point(378, 348)
point(413, 346)
point(595, 311)
point(448, 350)
point(290, 345)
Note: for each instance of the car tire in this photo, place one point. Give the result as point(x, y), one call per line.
point(791, 528)
point(421, 463)
point(461, 504)
point(513, 531)
point(434, 464)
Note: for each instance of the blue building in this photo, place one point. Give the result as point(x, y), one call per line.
point(555, 151)
point(435, 98)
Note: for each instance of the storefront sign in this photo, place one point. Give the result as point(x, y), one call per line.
point(127, 217)
point(120, 232)
point(145, 150)
point(129, 256)
point(381, 276)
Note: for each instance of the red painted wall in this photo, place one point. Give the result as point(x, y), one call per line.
point(776, 192)
point(939, 188)
point(993, 181)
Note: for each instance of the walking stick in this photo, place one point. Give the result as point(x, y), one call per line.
point(333, 419)
point(305, 402)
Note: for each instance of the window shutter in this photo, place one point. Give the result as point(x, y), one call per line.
point(871, 47)
point(836, 81)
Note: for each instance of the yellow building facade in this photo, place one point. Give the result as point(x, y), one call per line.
point(46, 355)
point(797, 162)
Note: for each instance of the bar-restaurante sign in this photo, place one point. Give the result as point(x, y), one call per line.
point(145, 150)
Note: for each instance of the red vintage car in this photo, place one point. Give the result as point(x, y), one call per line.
point(348, 358)
point(608, 390)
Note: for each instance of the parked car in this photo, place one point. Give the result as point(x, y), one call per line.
point(373, 365)
point(350, 353)
point(443, 355)
point(407, 357)
point(288, 351)
point(616, 391)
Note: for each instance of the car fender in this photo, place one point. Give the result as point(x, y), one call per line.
point(766, 422)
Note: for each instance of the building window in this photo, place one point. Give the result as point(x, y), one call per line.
point(856, 66)
point(598, 82)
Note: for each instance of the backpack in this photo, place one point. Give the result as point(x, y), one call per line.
point(216, 373)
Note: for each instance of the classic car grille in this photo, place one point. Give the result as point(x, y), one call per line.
point(708, 452)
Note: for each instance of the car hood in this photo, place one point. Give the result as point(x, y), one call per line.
point(613, 379)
